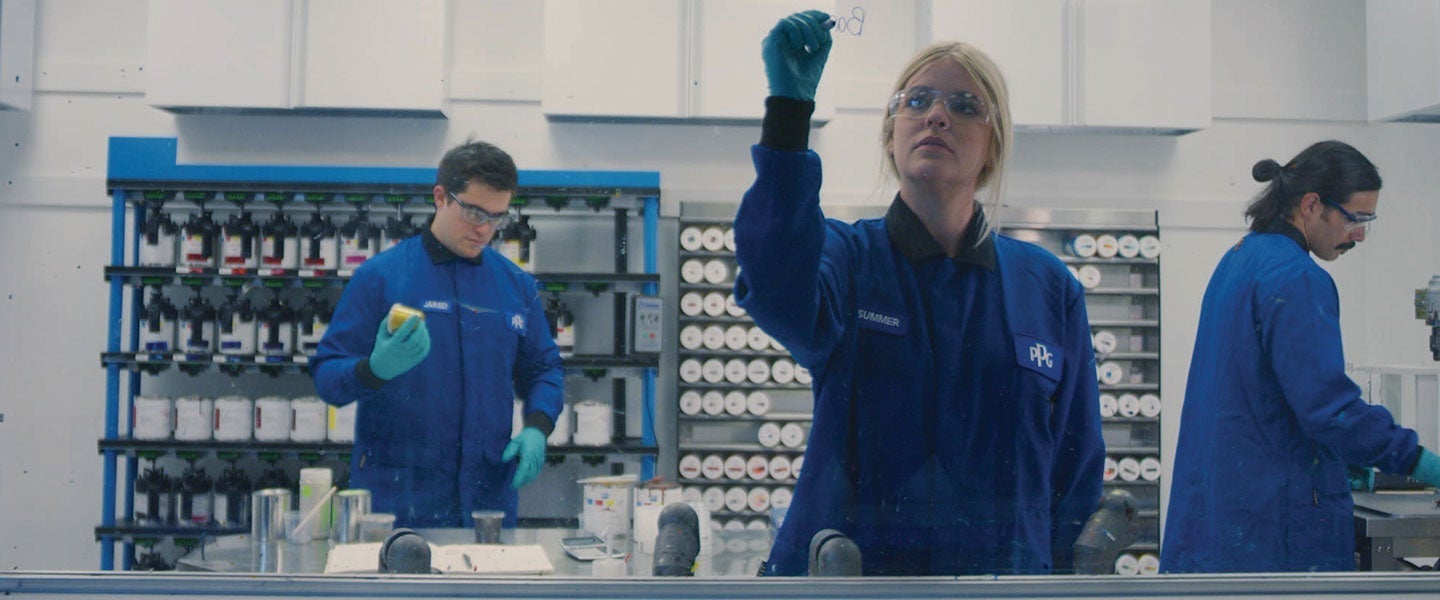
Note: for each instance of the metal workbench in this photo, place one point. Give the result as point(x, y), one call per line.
point(1391, 526)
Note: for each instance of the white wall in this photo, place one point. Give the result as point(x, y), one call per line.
point(1286, 73)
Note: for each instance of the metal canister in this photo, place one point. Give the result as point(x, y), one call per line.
point(349, 506)
point(267, 514)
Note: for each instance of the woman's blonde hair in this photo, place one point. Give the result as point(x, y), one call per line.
point(997, 100)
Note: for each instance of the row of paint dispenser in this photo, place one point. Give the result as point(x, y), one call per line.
point(236, 325)
point(291, 241)
point(245, 325)
point(283, 241)
point(200, 497)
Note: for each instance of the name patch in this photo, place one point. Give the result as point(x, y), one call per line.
point(1039, 355)
point(884, 322)
point(437, 306)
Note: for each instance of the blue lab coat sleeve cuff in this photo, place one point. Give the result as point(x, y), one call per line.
point(539, 421)
point(367, 377)
point(786, 125)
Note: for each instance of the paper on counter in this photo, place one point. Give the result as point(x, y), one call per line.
point(484, 559)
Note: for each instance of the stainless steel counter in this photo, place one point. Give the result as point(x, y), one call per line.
point(1392, 526)
point(731, 553)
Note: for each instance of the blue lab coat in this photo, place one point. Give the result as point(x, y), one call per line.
point(428, 442)
point(1270, 421)
point(956, 426)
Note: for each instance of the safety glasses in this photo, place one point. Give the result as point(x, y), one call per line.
point(915, 103)
point(1354, 220)
point(477, 216)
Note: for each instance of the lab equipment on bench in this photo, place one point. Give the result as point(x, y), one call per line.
point(1427, 308)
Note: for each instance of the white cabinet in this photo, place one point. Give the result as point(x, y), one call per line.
point(1026, 39)
point(660, 59)
point(1143, 63)
point(298, 55)
point(17, 53)
point(621, 58)
point(1129, 65)
point(1402, 60)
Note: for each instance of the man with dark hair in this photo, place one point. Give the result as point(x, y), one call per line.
point(435, 393)
point(1271, 421)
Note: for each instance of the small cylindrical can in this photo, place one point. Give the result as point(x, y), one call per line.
point(349, 505)
point(267, 514)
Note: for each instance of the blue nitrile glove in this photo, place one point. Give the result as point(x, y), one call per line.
point(1427, 470)
point(794, 53)
point(398, 352)
point(530, 445)
point(1362, 479)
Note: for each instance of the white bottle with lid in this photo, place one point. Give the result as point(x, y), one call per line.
point(691, 337)
point(315, 482)
point(713, 402)
point(712, 239)
point(692, 304)
point(735, 403)
point(690, 239)
point(714, 304)
point(690, 402)
point(713, 337)
point(736, 336)
point(1129, 246)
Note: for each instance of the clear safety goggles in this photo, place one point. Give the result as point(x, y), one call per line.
point(477, 216)
point(1354, 221)
point(915, 103)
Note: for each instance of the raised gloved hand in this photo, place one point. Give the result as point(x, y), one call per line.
point(1362, 479)
point(1427, 470)
point(398, 352)
point(530, 446)
point(794, 53)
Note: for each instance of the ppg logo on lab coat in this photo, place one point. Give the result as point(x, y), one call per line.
point(1039, 355)
point(517, 321)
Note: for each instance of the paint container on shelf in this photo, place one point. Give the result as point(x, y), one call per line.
point(562, 325)
point(196, 497)
point(593, 423)
point(359, 241)
point(340, 423)
point(272, 419)
point(312, 318)
point(157, 325)
point(238, 237)
point(194, 418)
point(318, 248)
point(158, 239)
point(233, 419)
point(197, 326)
point(279, 244)
point(197, 240)
point(309, 419)
point(232, 498)
point(236, 319)
point(152, 418)
point(517, 243)
point(396, 229)
point(275, 330)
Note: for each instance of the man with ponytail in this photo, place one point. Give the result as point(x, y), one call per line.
point(1271, 421)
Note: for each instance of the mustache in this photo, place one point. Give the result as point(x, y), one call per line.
point(1345, 246)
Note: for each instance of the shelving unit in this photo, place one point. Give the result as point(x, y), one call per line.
point(144, 177)
point(705, 428)
point(1126, 303)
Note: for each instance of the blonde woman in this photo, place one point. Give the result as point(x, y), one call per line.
point(956, 426)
